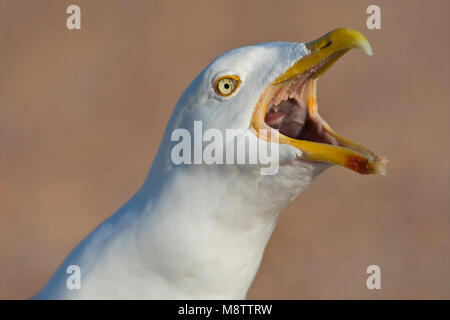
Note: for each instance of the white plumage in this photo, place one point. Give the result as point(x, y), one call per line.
point(196, 231)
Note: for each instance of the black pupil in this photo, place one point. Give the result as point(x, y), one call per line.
point(227, 86)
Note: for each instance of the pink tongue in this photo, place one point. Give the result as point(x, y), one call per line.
point(273, 117)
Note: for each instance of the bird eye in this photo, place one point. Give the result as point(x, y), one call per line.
point(226, 85)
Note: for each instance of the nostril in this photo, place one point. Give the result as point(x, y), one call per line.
point(326, 45)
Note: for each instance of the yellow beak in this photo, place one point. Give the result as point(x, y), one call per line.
point(324, 52)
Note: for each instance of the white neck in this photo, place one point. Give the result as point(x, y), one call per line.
point(195, 231)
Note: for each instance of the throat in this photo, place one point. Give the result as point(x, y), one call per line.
point(291, 111)
point(291, 118)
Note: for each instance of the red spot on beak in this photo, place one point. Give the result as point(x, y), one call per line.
point(358, 164)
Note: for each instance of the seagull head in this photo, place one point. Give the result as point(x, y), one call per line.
point(199, 231)
point(271, 88)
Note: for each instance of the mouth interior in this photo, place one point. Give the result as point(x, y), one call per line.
point(288, 112)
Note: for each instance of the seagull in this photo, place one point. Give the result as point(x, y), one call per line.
point(198, 230)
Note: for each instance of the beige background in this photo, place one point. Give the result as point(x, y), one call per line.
point(82, 114)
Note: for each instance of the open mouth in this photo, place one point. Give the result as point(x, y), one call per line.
point(288, 108)
point(288, 112)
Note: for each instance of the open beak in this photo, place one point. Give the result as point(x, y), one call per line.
point(288, 112)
